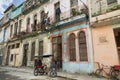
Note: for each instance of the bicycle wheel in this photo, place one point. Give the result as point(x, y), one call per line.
point(41, 71)
point(53, 73)
point(99, 73)
point(36, 72)
point(114, 74)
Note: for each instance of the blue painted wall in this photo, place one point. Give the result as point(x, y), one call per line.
point(17, 11)
point(80, 67)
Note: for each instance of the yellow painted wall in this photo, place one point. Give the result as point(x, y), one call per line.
point(104, 46)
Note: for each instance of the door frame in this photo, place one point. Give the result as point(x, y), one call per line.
point(51, 38)
point(24, 53)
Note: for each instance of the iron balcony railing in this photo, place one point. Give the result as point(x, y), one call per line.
point(52, 19)
point(106, 10)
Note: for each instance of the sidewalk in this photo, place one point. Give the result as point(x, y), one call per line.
point(60, 74)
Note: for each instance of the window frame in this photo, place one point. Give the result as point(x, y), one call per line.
point(40, 47)
point(11, 30)
point(20, 25)
point(16, 28)
point(11, 58)
point(27, 24)
point(17, 45)
point(85, 45)
point(33, 54)
point(69, 47)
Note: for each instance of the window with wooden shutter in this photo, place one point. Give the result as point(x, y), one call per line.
point(11, 30)
point(72, 50)
point(82, 46)
point(16, 28)
point(20, 25)
point(33, 51)
point(28, 25)
point(40, 48)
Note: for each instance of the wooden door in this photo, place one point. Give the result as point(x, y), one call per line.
point(57, 50)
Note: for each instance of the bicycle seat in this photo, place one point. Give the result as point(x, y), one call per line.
point(39, 66)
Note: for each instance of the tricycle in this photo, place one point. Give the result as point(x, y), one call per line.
point(41, 69)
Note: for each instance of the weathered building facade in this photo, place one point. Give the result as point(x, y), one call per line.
point(70, 38)
point(105, 24)
point(14, 43)
point(35, 41)
point(51, 27)
point(5, 30)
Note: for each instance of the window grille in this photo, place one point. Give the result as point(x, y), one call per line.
point(40, 48)
point(72, 48)
point(33, 51)
point(82, 46)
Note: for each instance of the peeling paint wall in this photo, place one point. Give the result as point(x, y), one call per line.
point(40, 37)
point(105, 51)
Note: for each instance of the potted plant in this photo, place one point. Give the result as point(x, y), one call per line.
point(74, 11)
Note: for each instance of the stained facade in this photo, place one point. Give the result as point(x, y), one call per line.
point(105, 31)
point(76, 38)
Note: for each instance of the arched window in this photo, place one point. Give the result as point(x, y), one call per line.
point(82, 46)
point(72, 48)
point(35, 21)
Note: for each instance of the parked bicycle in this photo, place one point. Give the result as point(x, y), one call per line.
point(111, 74)
point(53, 71)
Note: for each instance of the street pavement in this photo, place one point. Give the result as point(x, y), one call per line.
point(9, 73)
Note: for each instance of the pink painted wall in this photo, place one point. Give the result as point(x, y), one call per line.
point(104, 46)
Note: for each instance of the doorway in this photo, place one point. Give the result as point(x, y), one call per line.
point(57, 50)
point(8, 54)
point(117, 38)
point(25, 52)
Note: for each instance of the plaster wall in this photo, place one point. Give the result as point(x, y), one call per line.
point(40, 37)
point(104, 46)
point(15, 61)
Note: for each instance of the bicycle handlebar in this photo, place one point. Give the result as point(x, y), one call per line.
point(104, 65)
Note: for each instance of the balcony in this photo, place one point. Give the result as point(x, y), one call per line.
point(33, 4)
point(108, 15)
point(51, 22)
point(71, 15)
point(109, 9)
